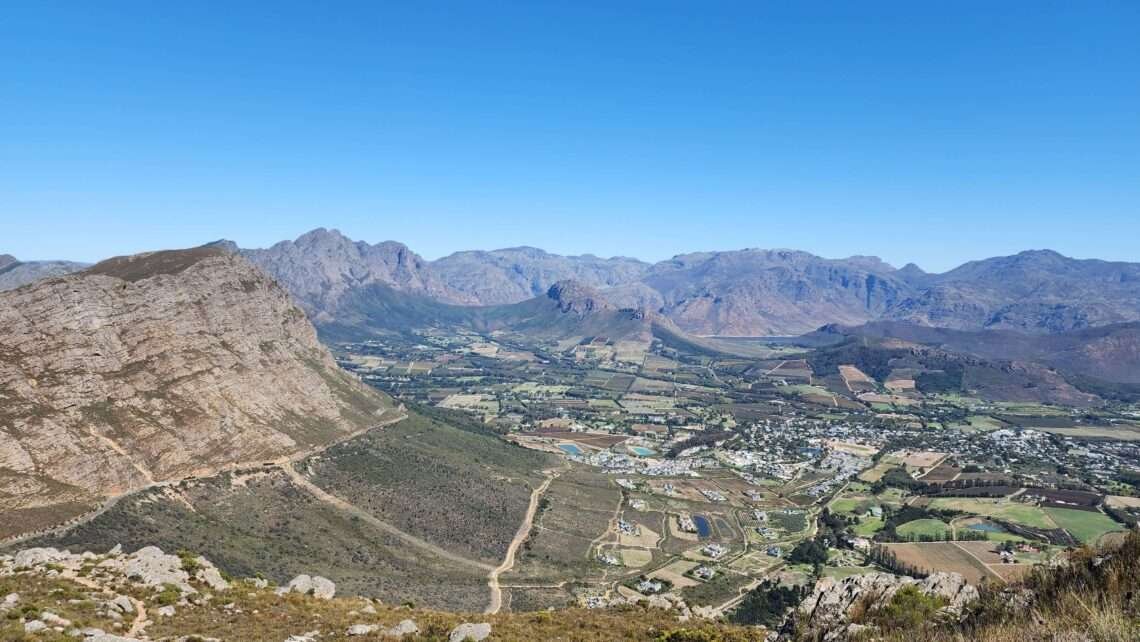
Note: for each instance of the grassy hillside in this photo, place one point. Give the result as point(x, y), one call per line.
point(456, 490)
point(464, 491)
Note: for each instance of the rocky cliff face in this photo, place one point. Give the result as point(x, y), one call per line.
point(320, 267)
point(758, 292)
point(828, 613)
point(15, 273)
point(156, 367)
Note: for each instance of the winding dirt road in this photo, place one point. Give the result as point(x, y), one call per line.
point(338, 503)
point(520, 537)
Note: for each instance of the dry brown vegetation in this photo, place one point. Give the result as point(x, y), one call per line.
point(1095, 597)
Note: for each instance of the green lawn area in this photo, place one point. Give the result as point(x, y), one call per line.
point(868, 526)
point(1001, 509)
point(921, 527)
point(1084, 525)
point(846, 504)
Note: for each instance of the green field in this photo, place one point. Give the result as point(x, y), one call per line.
point(998, 508)
point(848, 504)
point(868, 526)
point(1084, 525)
point(923, 527)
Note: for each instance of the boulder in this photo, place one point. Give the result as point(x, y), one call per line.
point(362, 629)
point(317, 586)
point(405, 627)
point(37, 556)
point(35, 626)
point(165, 611)
point(151, 567)
point(123, 604)
point(468, 631)
point(209, 575)
point(54, 620)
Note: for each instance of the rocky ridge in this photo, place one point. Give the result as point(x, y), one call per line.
point(829, 610)
point(157, 367)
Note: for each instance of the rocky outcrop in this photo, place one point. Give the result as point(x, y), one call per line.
point(832, 604)
point(149, 566)
point(157, 367)
point(572, 296)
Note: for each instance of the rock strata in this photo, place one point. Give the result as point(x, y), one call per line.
point(157, 367)
point(831, 605)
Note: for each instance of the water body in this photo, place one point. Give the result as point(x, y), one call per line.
point(704, 529)
point(570, 449)
point(988, 527)
point(640, 451)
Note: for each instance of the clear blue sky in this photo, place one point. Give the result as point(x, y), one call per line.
point(924, 133)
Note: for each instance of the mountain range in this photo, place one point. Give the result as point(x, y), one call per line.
point(750, 292)
point(737, 293)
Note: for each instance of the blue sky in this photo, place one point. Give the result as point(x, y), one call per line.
point(916, 132)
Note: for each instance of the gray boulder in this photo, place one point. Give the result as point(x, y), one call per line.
point(317, 586)
point(405, 627)
point(123, 604)
point(468, 631)
point(151, 567)
point(37, 556)
point(362, 629)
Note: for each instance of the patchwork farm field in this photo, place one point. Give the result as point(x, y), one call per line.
point(1024, 514)
point(1087, 526)
point(943, 556)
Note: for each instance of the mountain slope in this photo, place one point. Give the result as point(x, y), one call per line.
point(516, 274)
point(322, 266)
point(1034, 291)
point(765, 292)
point(568, 312)
point(1110, 353)
point(155, 367)
point(15, 273)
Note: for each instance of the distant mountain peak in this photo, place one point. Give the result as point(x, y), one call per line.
point(6, 260)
